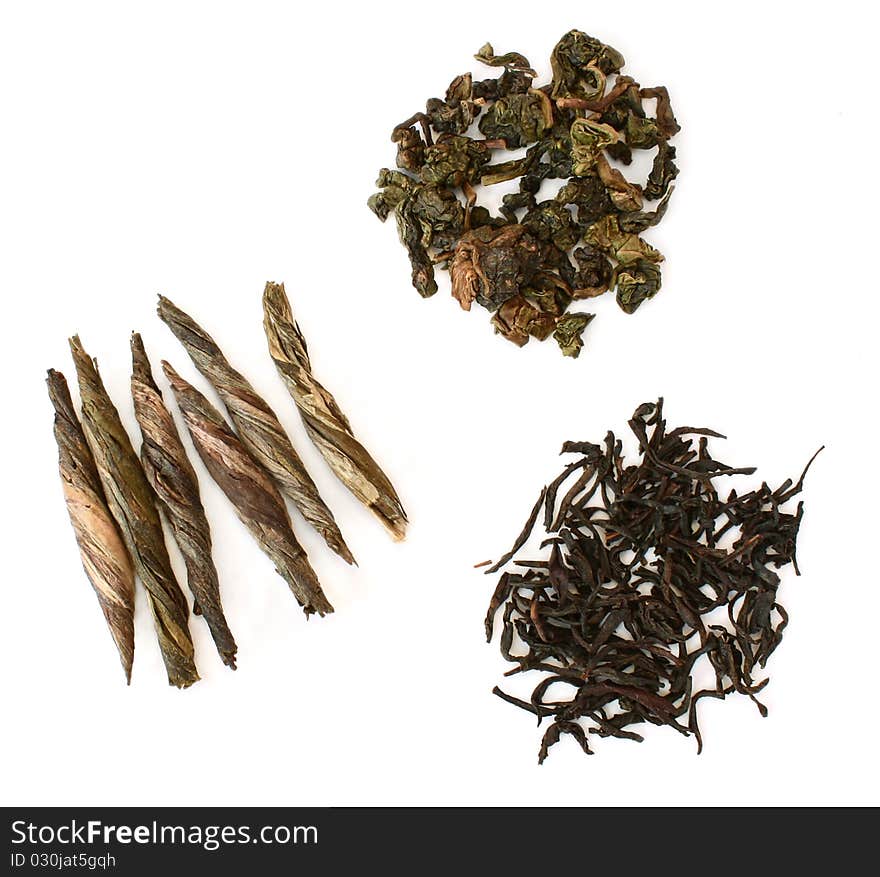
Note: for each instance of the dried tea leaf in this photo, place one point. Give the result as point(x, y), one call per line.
point(251, 491)
point(666, 122)
point(637, 282)
point(454, 160)
point(132, 505)
point(625, 196)
point(492, 265)
point(174, 481)
point(517, 119)
point(588, 116)
point(625, 247)
point(625, 607)
point(594, 272)
point(327, 426)
point(511, 60)
point(257, 425)
point(104, 555)
point(568, 332)
point(518, 320)
point(454, 114)
point(573, 61)
point(589, 137)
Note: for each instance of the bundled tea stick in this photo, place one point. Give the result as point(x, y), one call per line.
point(131, 502)
point(259, 428)
point(327, 426)
point(174, 480)
point(104, 556)
point(250, 490)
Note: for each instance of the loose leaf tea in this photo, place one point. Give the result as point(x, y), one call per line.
point(104, 555)
point(257, 425)
point(174, 481)
point(132, 503)
point(640, 554)
point(530, 263)
point(250, 490)
point(327, 426)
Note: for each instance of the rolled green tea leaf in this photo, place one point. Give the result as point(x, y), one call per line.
point(104, 556)
point(327, 426)
point(133, 507)
point(251, 491)
point(259, 428)
point(174, 481)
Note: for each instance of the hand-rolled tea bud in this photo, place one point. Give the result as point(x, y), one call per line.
point(104, 556)
point(257, 425)
point(132, 505)
point(174, 481)
point(250, 490)
point(327, 426)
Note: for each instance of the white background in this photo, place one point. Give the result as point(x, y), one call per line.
point(201, 149)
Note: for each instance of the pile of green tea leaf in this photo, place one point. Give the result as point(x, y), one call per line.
point(530, 263)
point(617, 614)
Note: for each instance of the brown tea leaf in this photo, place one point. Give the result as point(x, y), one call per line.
point(174, 481)
point(250, 490)
point(132, 505)
point(327, 426)
point(257, 425)
point(104, 556)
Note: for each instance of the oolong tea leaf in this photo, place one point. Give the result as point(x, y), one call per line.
point(531, 262)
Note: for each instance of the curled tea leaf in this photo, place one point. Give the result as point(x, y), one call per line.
point(573, 60)
point(491, 265)
point(663, 172)
point(636, 283)
point(594, 273)
point(518, 320)
point(512, 60)
point(517, 119)
point(454, 160)
point(666, 122)
point(568, 332)
point(588, 139)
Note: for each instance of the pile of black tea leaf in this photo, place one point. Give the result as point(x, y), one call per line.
point(640, 554)
point(530, 263)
